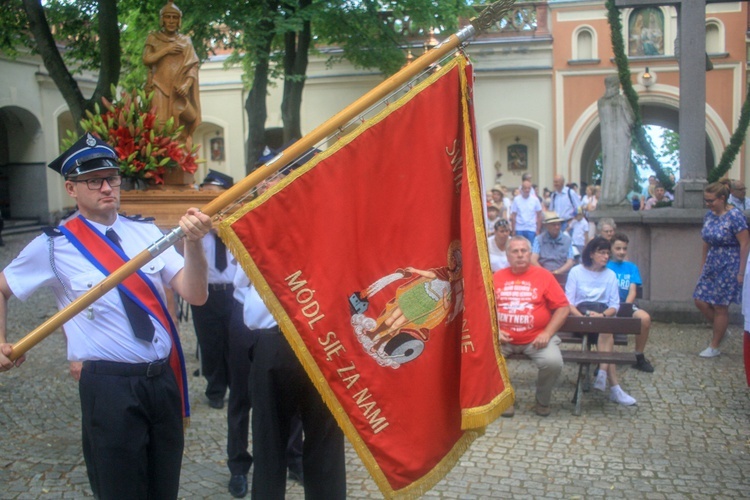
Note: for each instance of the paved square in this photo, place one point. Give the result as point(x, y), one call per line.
point(689, 435)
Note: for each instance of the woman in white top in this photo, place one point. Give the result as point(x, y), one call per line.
point(592, 291)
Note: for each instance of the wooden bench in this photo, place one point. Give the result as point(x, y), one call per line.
point(584, 356)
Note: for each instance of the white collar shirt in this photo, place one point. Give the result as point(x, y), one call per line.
point(255, 313)
point(214, 275)
point(565, 203)
point(101, 332)
point(740, 204)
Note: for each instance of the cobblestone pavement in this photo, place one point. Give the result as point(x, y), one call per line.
point(689, 435)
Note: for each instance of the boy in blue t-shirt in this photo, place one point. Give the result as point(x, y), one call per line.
point(628, 278)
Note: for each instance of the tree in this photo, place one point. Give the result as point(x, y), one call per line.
point(89, 32)
point(94, 30)
point(367, 32)
point(272, 39)
point(296, 55)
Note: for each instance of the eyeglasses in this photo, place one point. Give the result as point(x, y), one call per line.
point(95, 184)
point(707, 201)
point(603, 252)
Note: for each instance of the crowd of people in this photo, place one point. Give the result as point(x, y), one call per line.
point(124, 349)
point(575, 268)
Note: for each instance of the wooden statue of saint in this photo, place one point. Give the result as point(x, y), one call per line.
point(173, 73)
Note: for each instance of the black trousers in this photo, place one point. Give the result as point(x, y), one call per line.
point(281, 389)
point(212, 324)
point(239, 459)
point(238, 411)
point(132, 434)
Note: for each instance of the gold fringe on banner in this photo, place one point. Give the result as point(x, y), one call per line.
point(482, 416)
point(476, 418)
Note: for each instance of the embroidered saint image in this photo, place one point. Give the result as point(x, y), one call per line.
point(422, 300)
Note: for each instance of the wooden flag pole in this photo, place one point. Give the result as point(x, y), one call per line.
point(481, 23)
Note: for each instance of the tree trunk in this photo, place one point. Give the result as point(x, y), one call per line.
point(109, 45)
point(296, 48)
point(255, 104)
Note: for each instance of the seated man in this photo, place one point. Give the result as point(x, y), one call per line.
point(531, 307)
point(553, 249)
point(660, 195)
point(628, 278)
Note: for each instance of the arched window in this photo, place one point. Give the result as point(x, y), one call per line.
point(584, 44)
point(714, 37)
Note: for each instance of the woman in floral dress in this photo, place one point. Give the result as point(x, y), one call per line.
point(725, 248)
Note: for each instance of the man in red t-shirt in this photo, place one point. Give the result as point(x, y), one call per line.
point(531, 308)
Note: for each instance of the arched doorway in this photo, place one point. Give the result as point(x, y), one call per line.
point(23, 180)
point(655, 113)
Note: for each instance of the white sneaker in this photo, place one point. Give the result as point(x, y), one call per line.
point(619, 396)
point(601, 381)
point(709, 352)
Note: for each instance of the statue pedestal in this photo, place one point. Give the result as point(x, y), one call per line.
point(178, 178)
point(165, 205)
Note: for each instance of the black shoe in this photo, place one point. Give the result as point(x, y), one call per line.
point(216, 404)
point(642, 364)
point(238, 486)
point(296, 476)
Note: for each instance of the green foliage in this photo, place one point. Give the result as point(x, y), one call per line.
point(669, 152)
point(369, 39)
point(735, 143)
point(136, 22)
point(596, 174)
point(13, 26)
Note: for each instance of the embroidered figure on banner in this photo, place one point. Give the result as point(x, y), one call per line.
point(421, 301)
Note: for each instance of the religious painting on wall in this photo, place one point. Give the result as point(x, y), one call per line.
point(517, 157)
point(646, 32)
point(217, 149)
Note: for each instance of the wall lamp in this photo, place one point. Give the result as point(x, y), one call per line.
point(648, 78)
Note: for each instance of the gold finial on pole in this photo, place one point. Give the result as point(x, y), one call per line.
point(491, 14)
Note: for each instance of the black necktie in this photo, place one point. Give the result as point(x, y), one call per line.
point(220, 254)
point(139, 319)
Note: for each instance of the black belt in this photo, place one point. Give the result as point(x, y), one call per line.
point(153, 369)
point(267, 331)
point(214, 287)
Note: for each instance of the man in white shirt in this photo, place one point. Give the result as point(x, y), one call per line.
point(132, 402)
point(281, 391)
point(737, 197)
point(564, 201)
point(526, 214)
point(212, 319)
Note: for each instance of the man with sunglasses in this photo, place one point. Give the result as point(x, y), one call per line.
point(131, 387)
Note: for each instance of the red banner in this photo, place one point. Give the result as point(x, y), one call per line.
point(372, 257)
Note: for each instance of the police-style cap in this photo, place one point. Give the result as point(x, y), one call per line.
point(88, 154)
point(218, 179)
